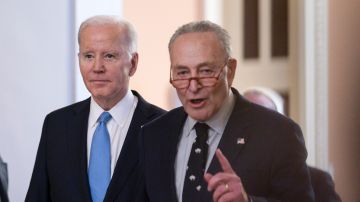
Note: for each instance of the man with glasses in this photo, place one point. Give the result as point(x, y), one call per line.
point(217, 146)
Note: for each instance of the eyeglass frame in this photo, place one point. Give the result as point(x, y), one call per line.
point(198, 79)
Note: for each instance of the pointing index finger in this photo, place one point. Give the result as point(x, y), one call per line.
point(224, 163)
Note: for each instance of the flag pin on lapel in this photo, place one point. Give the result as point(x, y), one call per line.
point(240, 140)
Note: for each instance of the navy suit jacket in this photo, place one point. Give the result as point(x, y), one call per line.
point(60, 171)
point(270, 163)
point(324, 187)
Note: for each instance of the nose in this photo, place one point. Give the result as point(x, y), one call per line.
point(194, 85)
point(99, 66)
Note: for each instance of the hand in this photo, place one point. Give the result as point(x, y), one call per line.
point(226, 185)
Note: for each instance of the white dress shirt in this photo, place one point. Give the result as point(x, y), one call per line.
point(118, 125)
point(216, 128)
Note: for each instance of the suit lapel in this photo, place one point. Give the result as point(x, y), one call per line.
point(129, 154)
point(77, 144)
point(160, 146)
point(161, 155)
point(173, 139)
point(232, 140)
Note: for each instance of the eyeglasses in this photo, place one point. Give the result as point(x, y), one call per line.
point(205, 79)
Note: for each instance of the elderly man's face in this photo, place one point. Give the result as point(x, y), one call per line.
point(105, 64)
point(194, 53)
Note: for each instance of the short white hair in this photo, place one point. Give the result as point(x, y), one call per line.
point(130, 37)
point(274, 96)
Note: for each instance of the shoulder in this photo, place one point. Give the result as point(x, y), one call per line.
point(276, 128)
point(275, 132)
point(163, 131)
point(320, 177)
point(150, 110)
point(255, 114)
point(170, 118)
point(323, 185)
point(72, 109)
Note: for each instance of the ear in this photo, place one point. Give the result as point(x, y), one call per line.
point(231, 70)
point(134, 62)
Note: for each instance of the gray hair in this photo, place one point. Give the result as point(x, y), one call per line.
point(204, 26)
point(130, 33)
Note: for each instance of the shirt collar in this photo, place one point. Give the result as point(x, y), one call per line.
point(218, 121)
point(118, 112)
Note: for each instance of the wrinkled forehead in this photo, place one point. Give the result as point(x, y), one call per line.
point(193, 49)
point(106, 29)
point(103, 36)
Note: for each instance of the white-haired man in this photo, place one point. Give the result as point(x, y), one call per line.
point(217, 146)
point(88, 150)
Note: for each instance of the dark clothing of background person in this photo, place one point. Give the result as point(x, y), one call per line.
point(323, 185)
point(4, 180)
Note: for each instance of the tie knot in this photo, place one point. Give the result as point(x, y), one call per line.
point(104, 117)
point(201, 129)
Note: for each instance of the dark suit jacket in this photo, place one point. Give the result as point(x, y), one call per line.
point(60, 172)
point(3, 181)
point(324, 187)
point(271, 163)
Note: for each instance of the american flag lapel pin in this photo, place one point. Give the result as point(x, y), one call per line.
point(240, 140)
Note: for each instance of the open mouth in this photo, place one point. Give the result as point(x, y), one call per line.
point(196, 101)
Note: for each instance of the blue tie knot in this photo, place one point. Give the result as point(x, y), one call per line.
point(104, 117)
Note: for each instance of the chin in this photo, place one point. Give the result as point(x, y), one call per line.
point(198, 115)
point(99, 96)
point(100, 92)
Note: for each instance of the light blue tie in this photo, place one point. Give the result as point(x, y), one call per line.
point(100, 160)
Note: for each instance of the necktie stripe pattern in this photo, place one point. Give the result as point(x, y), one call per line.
point(100, 160)
point(194, 179)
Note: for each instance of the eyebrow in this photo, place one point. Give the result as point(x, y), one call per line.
point(210, 64)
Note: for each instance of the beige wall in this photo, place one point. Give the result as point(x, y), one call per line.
point(155, 22)
point(280, 74)
point(344, 95)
